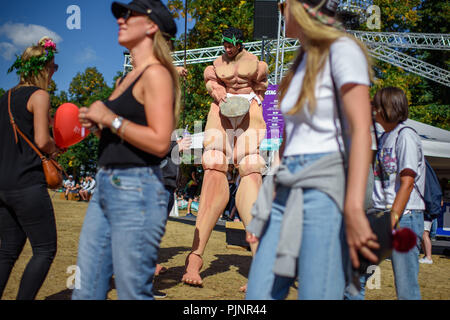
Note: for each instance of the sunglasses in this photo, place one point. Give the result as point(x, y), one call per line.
point(282, 7)
point(55, 67)
point(127, 14)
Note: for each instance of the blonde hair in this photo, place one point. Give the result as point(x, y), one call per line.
point(162, 51)
point(41, 78)
point(318, 39)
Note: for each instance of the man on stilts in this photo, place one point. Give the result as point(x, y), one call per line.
point(234, 130)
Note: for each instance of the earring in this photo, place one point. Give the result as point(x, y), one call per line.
point(147, 32)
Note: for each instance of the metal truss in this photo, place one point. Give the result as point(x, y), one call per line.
point(379, 44)
point(410, 64)
point(424, 41)
point(427, 41)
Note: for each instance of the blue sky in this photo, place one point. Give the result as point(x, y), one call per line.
point(24, 22)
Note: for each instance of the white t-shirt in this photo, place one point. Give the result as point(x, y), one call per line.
point(397, 155)
point(316, 133)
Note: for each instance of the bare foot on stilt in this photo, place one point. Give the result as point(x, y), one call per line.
point(194, 263)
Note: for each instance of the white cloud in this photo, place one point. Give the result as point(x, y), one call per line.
point(87, 55)
point(7, 50)
point(24, 35)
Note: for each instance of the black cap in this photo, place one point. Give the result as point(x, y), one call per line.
point(156, 11)
point(329, 7)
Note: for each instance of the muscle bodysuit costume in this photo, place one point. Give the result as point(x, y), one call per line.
point(229, 139)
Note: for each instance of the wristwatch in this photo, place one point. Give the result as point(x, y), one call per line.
point(116, 124)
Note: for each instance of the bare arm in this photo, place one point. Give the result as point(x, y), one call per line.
point(215, 88)
point(359, 234)
point(402, 197)
point(39, 105)
point(261, 82)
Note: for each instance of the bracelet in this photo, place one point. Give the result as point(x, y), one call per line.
point(122, 129)
point(396, 216)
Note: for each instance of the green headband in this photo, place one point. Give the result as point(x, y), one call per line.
point(233, 40)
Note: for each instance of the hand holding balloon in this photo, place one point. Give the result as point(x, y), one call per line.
point(67, 130)
point(96, 114)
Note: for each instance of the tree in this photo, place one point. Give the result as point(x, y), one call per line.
point(432, 114)
point(428, 100)
point(2, 92)
point(434, 17)
point(88, 86)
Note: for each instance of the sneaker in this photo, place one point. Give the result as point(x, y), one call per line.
point(190, 215)
point(159, 294)
point(426, 260)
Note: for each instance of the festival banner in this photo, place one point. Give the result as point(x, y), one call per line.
point(274, 120)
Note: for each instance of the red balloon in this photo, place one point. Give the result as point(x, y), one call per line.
point(67, 129)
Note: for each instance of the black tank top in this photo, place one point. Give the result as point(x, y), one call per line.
point(20, 166)
point(113, 152)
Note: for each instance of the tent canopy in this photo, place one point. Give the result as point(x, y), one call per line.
point(435, 144)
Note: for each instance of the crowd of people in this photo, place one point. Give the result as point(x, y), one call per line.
point(305, 221)
point(83, 189)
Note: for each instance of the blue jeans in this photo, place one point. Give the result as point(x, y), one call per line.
point(433, 229)
point(121, 234)
point(405, 265)
point(323, 256)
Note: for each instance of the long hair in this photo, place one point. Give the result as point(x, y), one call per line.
point(318, 39)
point(39, 80)
point(161, 51)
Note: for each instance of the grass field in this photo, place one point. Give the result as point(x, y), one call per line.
point(224, 270)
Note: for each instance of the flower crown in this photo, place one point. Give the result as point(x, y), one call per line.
point(35, 64)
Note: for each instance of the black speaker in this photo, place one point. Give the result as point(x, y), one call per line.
point(265, 21)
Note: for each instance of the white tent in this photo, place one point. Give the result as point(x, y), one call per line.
point(435, 144)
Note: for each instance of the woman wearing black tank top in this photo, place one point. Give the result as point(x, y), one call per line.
point(26, 210)
point(127, 214)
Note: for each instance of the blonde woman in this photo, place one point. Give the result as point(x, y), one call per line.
point(26, 210)
point(127, 214)
point(314, 227)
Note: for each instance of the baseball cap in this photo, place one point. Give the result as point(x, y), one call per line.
point(329, 7)
point(155, 10)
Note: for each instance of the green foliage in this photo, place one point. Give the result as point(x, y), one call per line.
point(432, 114)
point(434, 17)
point(2, 92)
point(83, 155)
point(87, 87)
point(399, 16)
point(429, 101)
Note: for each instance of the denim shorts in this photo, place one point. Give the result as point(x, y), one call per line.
point(323, 256)
point(121, 234)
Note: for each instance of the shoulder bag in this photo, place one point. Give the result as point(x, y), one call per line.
point(52, 169)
